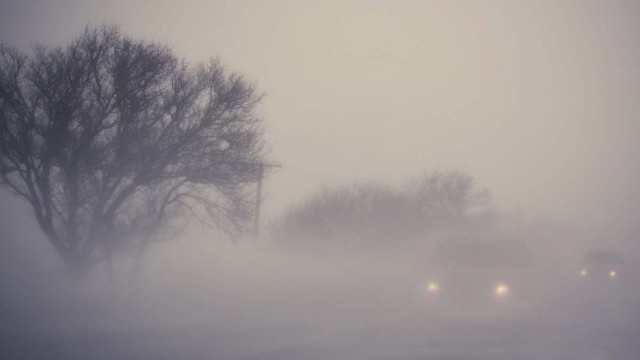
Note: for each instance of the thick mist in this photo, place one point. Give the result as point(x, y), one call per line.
point(204, 297)
point(535, 101)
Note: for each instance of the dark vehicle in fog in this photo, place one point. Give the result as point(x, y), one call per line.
point(477, 275)
point(602, 266)
point(603, 288)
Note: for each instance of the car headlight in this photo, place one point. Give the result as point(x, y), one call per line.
point(583, 272)
point(432, 287)
point(501, 290)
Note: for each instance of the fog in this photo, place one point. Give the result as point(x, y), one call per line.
point(536, 101)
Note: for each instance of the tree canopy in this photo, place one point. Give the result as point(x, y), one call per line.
point(376, 215)
point(115, 141)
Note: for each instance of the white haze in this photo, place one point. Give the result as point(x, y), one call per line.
point(538, 100)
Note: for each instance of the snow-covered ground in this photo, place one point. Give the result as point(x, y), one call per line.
point(406, 338)
point(527, 340)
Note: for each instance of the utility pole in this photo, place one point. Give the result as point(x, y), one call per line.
point(256, 215)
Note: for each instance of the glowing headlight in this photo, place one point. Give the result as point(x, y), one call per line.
point(583, 272)
point(501, 290)
point(432, 287)
point(613, 274)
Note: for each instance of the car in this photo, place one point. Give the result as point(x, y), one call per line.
point(600, 287)
point(476, 275)
point(602, 266)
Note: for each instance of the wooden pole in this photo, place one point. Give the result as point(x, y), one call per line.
point(256, 216)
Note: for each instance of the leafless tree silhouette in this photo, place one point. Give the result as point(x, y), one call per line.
point(375, 215)
point(115, 142)
point(447, 195)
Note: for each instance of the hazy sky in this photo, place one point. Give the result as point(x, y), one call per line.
point(539, 99)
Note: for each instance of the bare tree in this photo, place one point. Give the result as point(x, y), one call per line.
point(114, 142)
point(378, 216)
point(447, 195)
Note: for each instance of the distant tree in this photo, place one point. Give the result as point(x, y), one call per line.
point(374, 215)
point(339, 216)
point(115, 142)
point(445, 196)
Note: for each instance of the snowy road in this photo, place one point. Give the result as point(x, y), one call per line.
point(480, 341)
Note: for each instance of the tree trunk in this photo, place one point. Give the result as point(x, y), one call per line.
point(139, 258)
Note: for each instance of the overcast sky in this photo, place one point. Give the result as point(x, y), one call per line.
point(538, 100)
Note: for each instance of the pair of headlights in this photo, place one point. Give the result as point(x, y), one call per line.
point(612, 273)
point(500, 290)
